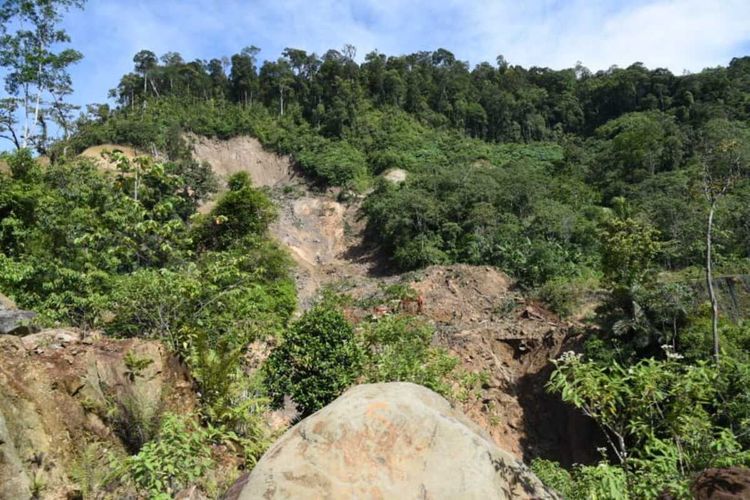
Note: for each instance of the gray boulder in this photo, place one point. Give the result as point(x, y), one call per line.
point(15, 322)
point(396, 440)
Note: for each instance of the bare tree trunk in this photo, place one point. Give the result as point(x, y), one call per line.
point(38, 96)
point(26, 116)
point(710, 284)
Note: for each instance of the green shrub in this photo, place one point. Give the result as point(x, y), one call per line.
point(240, 212)
point(589, 482)
point(398, 349)
point(661, 419)
point(553, 476)
point(318, 359)
point(179, 456)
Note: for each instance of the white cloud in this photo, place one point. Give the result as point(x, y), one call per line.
point(677, 34)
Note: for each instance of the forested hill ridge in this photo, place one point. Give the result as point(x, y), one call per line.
point(619, 200)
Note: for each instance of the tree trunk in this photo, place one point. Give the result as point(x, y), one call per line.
point(38, 98)
point(710, 284)
point(25, 116)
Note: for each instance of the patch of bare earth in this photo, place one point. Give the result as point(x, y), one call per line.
point(480, 316)
point(100, 154)
point(243, 154)
point(61, 391)
point(478, 312)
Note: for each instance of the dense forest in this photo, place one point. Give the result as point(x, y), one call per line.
point(627, 189)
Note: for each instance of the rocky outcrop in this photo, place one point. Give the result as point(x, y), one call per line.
point(12, 320)
point(395, 440)
point(61, 391)
point(732, 483)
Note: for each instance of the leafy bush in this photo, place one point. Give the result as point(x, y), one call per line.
point(179, 456)
point(318, 359)
point(659, 417)
point(601, 481)
point(398, 348)
point(240, 212)
point(336, 163)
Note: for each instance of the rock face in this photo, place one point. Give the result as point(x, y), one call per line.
point(732, 483)
point(61, 391)
point(395, 440)
point(12, 320)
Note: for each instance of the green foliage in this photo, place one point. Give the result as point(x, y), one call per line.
point(236, 296)
point(398, 348)
point(179, 456)
point(35, 70)
point(322, 355)
point(507, 213)
point(318, 359)
point(553, 476)
point(134, 365)
point(628, 250)
point(336, 163)
point(68, 230)
point(589, 482)
point(91, 469)
point(636, 146)
point(240, 212)
point(566, 295)
point(134, 419)
point(661, 418)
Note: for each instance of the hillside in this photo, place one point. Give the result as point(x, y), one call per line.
point(237, 261)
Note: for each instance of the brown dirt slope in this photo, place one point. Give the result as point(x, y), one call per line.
point(59, 392)
point(242, 154)
point(478, 312)
point(481, 317)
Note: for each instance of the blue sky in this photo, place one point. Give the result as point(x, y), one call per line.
point(677, 34)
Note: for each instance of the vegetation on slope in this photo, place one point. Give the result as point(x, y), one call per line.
point(630, 183)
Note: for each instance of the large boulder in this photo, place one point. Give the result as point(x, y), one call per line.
point(396, 440)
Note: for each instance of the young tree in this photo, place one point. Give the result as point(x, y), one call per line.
point(725, 159)
point(33, 67)
point(145, 62)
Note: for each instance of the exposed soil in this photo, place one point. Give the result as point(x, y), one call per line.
point(478, 312)
point(98, 154)
point(242, 154)
point(60, 390)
